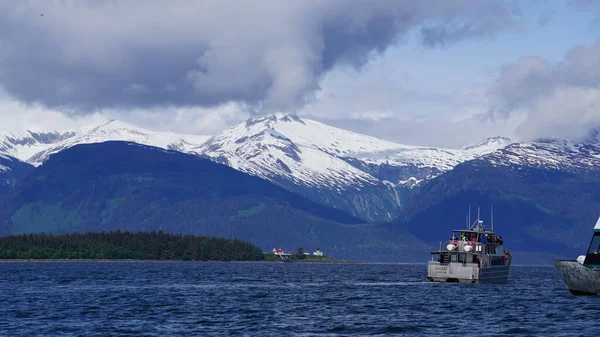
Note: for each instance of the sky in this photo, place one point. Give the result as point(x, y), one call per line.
point(419, 72)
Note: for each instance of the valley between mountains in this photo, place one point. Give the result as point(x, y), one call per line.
point(283, 180)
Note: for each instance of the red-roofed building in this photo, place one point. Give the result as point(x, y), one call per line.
point(278, 251)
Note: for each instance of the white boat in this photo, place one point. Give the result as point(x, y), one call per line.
point(472, 255)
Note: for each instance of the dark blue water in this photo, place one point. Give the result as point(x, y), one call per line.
point(262, 299)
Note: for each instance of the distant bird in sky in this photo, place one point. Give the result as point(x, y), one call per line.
point(41, 14)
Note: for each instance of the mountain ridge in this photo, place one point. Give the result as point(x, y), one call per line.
point(35, 147)
point(362, 175)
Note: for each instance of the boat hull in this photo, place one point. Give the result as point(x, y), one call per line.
point(466, 273)
point(578, 279)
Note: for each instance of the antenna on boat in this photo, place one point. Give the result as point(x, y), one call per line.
point(469, 216)
point(492, 217)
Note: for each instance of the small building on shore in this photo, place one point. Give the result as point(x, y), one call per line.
point(278, 251)
point(318, 253)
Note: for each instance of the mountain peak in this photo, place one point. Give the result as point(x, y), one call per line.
point(112, 124)
point(489, 140)
point(488, 145)
point(274, 118)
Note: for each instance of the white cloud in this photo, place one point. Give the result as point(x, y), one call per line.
point(559, 100)
point(370, 115)
point(18, 117)
point(569, 112)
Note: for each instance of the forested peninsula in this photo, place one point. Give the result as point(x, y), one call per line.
point(125, 245)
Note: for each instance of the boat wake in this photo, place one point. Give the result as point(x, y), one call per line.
point(388, 284)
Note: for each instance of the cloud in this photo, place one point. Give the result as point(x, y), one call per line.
point(520, 84)
point(559, 100)
point(267, 55)
point(18, 117)
point(570, 112)
point(438, 131)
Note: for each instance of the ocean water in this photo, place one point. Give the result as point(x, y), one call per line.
point(281, 299)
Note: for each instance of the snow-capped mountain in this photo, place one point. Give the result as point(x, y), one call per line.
point(488, 146)
point(304, 155)
point(360, 174)
point(560, 155)
point(301, 151)
point(314, 154)
point(35, 147)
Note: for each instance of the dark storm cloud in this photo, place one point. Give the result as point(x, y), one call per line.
point(102, 54)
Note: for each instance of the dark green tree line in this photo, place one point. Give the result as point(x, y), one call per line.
point(127, 245)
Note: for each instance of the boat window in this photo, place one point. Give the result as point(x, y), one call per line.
point(595, 244)
point(462, 257)
point(453, 258)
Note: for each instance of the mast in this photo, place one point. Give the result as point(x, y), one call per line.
point(492, 217)
point(469, 217)
point(479, 225)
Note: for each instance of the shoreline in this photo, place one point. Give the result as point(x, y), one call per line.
point(159, 261)
point(216, 261)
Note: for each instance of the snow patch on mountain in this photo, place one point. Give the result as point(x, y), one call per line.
point(2, 167)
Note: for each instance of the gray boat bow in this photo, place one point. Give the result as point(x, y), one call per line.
point(580, 280)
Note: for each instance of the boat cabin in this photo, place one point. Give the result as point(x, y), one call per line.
point(592, 257)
